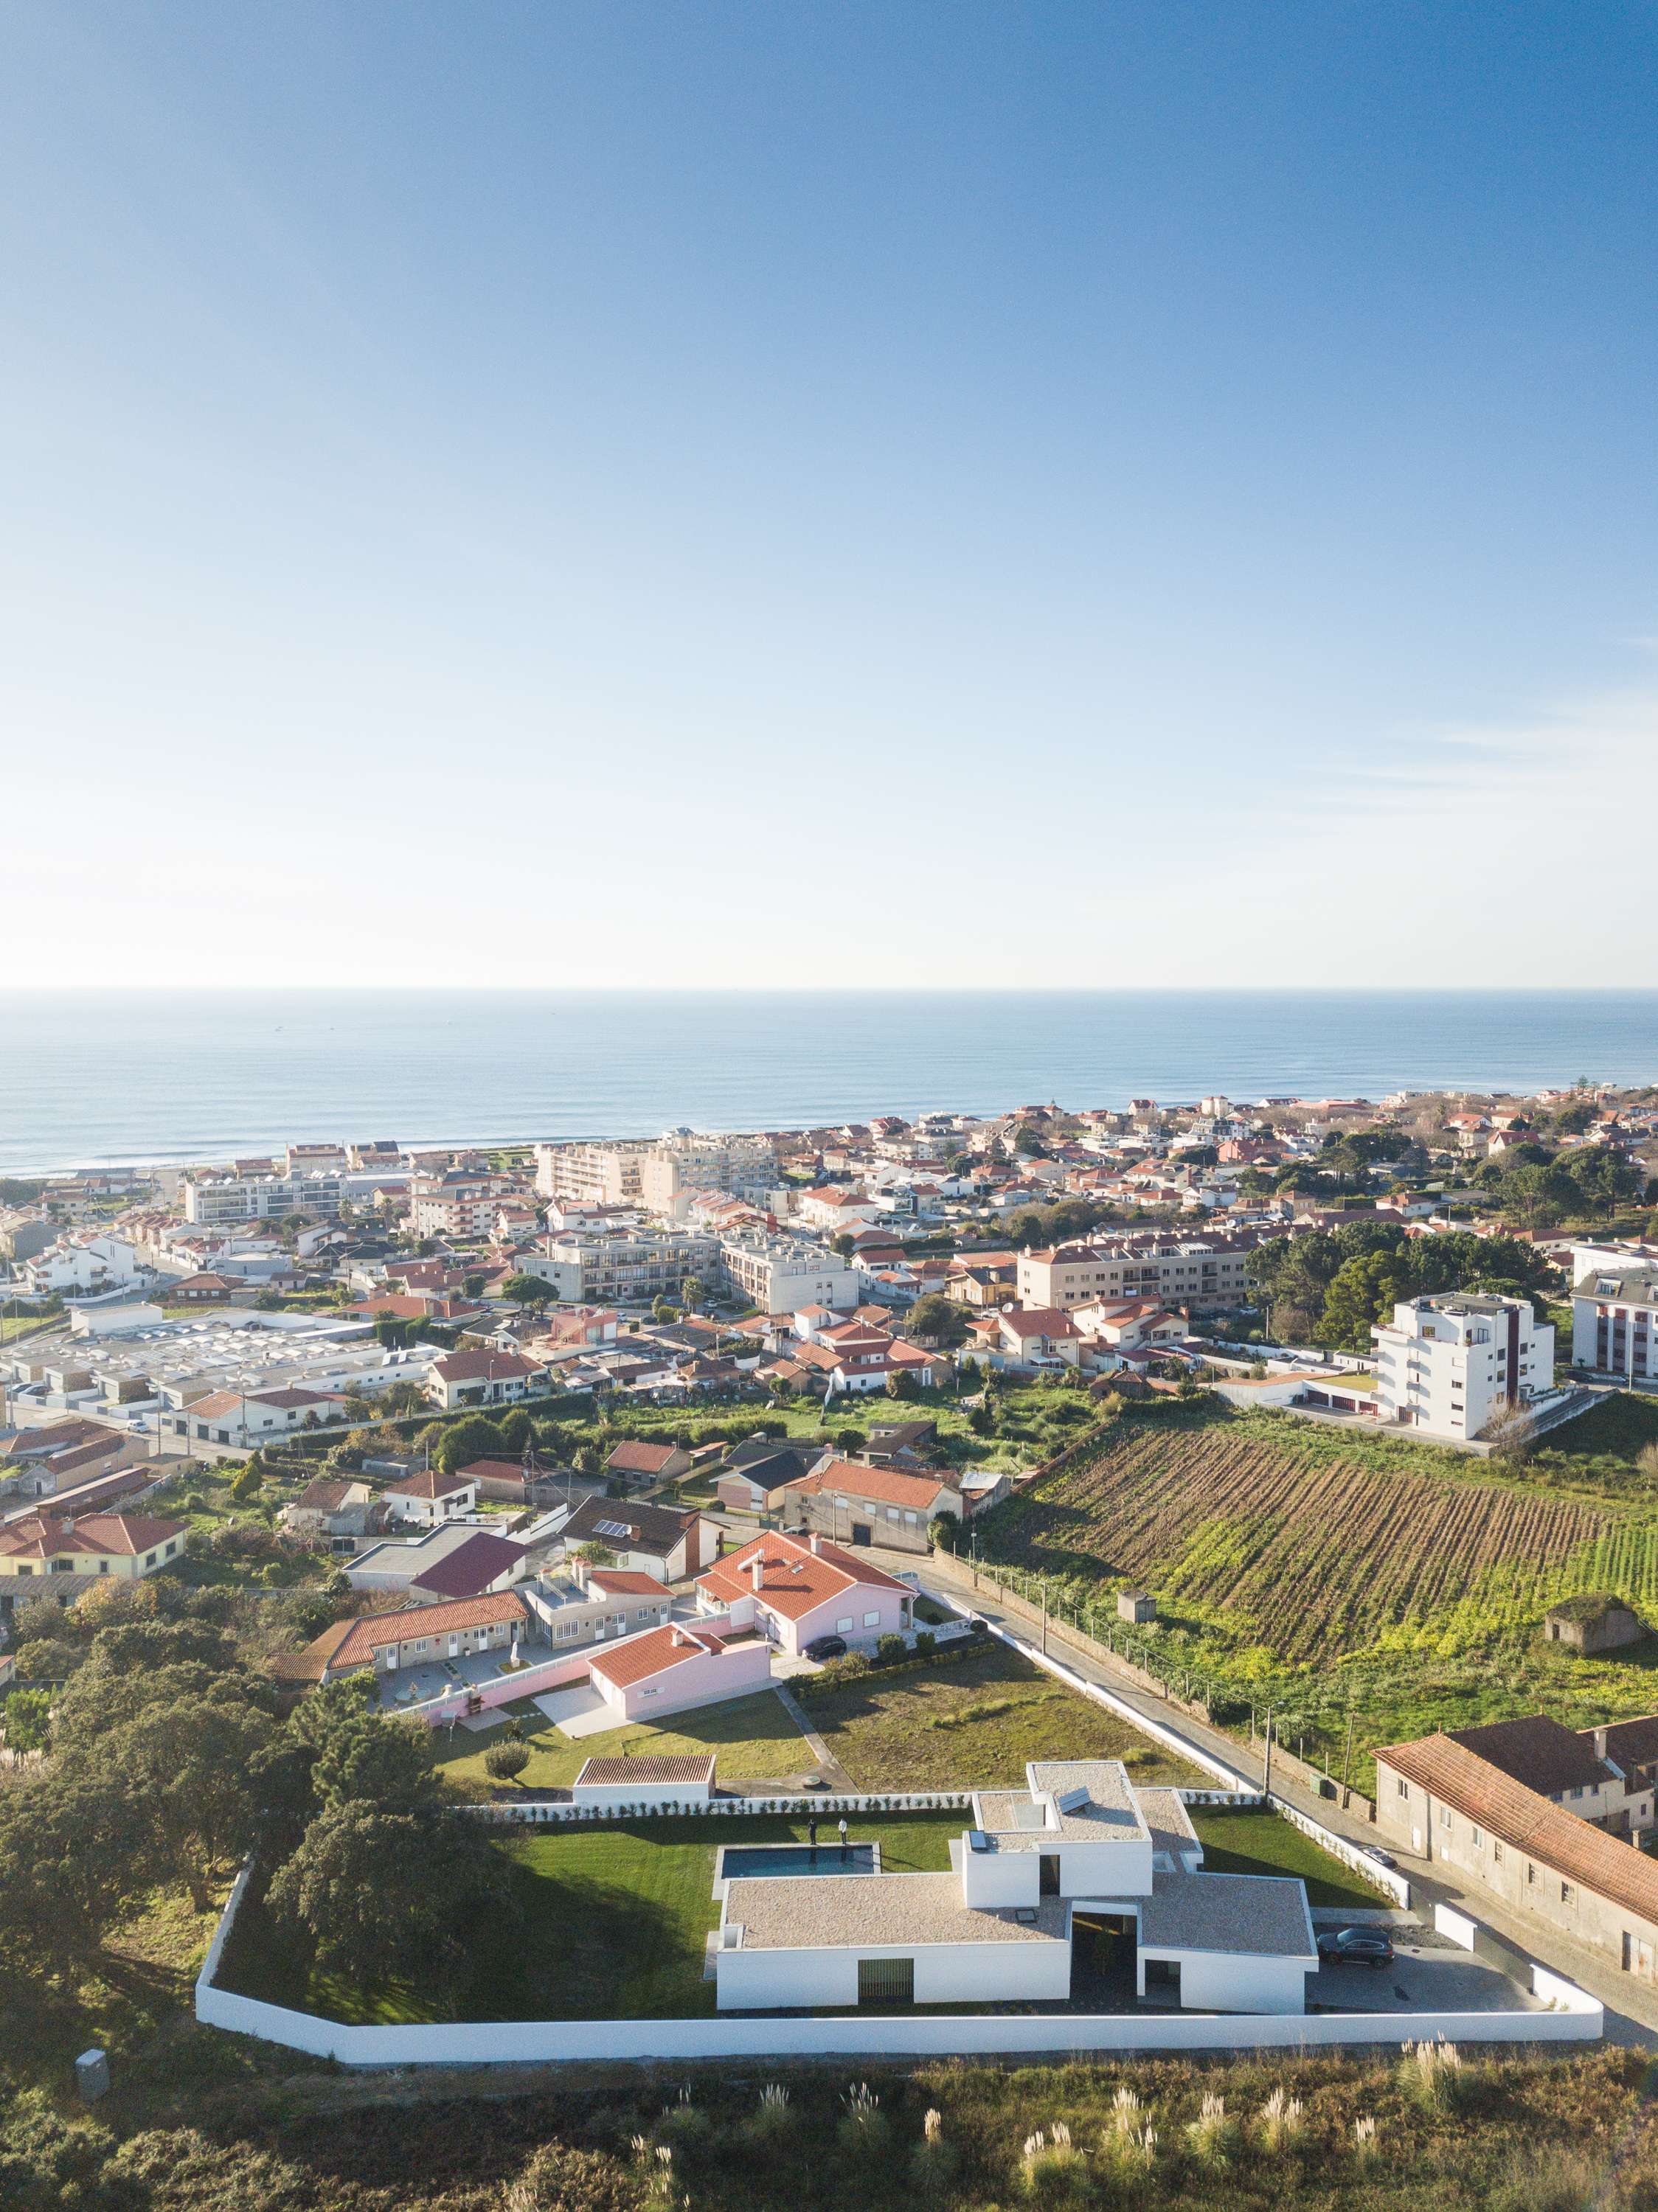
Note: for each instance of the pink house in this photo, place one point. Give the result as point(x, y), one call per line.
point(674, 1668)
point(794, 1589)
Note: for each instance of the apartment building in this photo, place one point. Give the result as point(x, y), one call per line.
point(1615, 1309)
point(313, 1159)
point(215, 1201)
point(688, 1164)
point(593, 1174)
point(1206, 1274)
point(1447, 1364)
point(453, 1204)
point(622, 1266)
point(785, 1274)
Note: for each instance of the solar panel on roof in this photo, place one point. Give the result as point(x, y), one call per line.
point(612, 1529)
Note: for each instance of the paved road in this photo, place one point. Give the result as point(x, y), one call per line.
point(1631, 2013)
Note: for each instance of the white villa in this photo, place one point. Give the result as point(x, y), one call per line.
point(1081, 1873)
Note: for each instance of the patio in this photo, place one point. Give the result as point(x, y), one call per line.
point(442, 1678)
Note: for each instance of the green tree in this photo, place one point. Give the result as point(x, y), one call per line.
point(902, 1385)
point(386, 1763)
point(246, 1485)
point(186, 1768)
point(526, 1290)
point(380, 1896)
point(28, 1715)
point(693, 1292)
point(938, 1320)
point(1362, 1291)
point(474, 1437)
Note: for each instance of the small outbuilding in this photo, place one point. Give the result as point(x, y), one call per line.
point(1594, 1623)
point(1136, 1606)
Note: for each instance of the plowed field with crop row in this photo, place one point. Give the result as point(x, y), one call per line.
point(1308, 1555)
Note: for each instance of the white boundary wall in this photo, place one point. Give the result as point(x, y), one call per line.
point(1574, 2017)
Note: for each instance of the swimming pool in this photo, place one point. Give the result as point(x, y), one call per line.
point(744, 1862)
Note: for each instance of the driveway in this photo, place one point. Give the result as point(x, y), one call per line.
point(1420, 1979)
point(578, 1712)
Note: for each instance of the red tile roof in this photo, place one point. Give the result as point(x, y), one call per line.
point(427, 1482)
point(656, 1653)
point(918, 1491)
point(623, 1582)
point(795, 1580)
point(1518, 1816)
point(642, 1458)
point(350, 1644)
point(469, 1570)
point(126, 1535)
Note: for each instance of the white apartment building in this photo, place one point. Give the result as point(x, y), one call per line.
point(622, 1266)
point(1614, 1309)
point(1447, 1364)
point(214, 1201)
point(454, 1204)
point(784, 1274)
point(596, 1175)
point(85, 1266)
point(1205, 1273)
point(689, 1162)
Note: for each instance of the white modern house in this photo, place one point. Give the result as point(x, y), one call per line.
point(1077, 1869)
point(1447, 1364)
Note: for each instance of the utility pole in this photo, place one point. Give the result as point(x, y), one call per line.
point(1347, 1761)
point(1266, 1785)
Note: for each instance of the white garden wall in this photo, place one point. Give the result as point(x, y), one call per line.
point(1577, 2017)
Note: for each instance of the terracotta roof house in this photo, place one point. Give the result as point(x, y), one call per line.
point(127, 1546)
point(426, 1498)
point(672, 1669)
point(795, 1589)
point(852, 1504)
point(483, 1378)
point(1547, 1857)
point(648, 1463)
point(386, 1641)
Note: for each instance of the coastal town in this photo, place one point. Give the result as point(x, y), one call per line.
point(835, 1511)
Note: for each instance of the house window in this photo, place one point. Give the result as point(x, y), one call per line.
point(845, 1623)
point(1496, 1853)
point(872, 1619)
point(1531, 1874)
point(1565, 1892)
point(1403, 1787)
point(1444, 1816)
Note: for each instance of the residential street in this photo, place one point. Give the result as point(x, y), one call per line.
point(1631, 2015)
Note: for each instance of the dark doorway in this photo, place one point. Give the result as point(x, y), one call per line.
point(1103, 1950)
point(886, 1982)
point(1047, 1873)
point(860, 1532)
point(1163, 1982)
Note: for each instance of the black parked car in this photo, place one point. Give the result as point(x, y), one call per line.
point(1356, 1947)
point(827, 1647)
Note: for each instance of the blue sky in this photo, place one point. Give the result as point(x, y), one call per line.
point(1047, 494)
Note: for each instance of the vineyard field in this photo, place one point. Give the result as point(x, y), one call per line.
point(1309, 1555)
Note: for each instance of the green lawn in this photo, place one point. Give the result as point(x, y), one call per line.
point(973, 1723)
point(611, 1926)
point(753, 1739)
point(1254, 1841)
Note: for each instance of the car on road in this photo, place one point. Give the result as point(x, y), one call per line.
point(827, 1647)
point(1355, 1947)
point(1382, 1857)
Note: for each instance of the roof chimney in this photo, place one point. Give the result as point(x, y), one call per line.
point(816, 1543)
point(1599, 1743)
point(757, 1571)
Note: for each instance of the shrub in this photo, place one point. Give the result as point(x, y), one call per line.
point(889, 1648)
point(505, 1761)
point(933, 2162)
point(865, 2133)
point(1281, 2120)
point(1052, 2169)
point(1211, 2134)
point(561, 2179)
point(1430, 2074)
point(926, 1643)
point(773, 2119)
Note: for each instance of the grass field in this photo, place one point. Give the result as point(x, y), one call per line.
point(1254, 1841)
point(752, 1739)
point(611, 1924)
point(1324, 1572)
point(975, 1721)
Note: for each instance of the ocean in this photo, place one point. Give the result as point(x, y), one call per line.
point(90, 1078)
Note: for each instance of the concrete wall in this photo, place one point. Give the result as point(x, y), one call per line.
point(640, 1793)
point(1578, 2019)
point(1220, 1981)
point(945, 1973)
